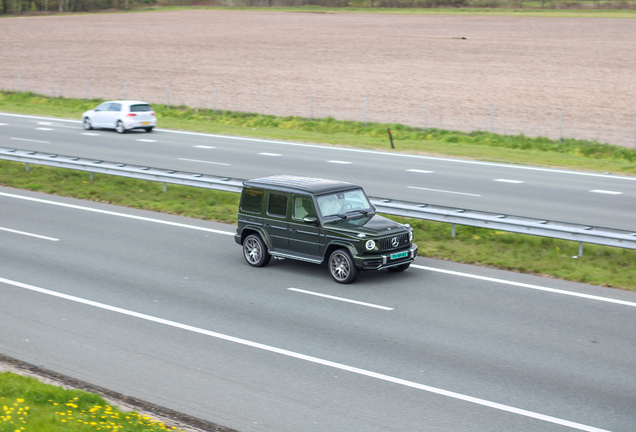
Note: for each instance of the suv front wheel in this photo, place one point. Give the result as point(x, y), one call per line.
point(342, 267)
point(255, 251)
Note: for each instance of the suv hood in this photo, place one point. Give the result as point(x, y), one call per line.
point(373, 225)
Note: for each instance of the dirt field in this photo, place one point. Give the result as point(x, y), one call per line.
point(411, 69)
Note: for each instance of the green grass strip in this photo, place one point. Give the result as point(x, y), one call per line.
point(27, 404)
point(600, 265)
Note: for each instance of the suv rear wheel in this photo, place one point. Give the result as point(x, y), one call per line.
point(255, 251)
point(342, 267)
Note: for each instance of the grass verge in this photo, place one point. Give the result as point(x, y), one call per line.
point(600, 265)
point(27, 404)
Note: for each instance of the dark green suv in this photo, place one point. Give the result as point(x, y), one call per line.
point(314, 220)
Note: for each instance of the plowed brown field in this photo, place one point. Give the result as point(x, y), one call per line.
point(411, 69)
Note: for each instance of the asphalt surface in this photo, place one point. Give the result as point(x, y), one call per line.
point(558, 195)
point(164, 309)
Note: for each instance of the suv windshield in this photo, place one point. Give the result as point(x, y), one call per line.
point(339, 203)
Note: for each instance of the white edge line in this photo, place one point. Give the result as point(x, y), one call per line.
point(405, 155)
point(30, 140)
point(444, 191)
point(525, 285)
point(311, 359)
point(29, 234)
point(142, 218)
point(208, 162)
point(340, 299)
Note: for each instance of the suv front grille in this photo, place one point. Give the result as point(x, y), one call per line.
point(387, 243)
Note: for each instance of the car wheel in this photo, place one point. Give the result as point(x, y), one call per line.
point(399, 268)
point(342, 268)
point(120, 127)
point(87, 123)
point(148, 129)
point(255, 251)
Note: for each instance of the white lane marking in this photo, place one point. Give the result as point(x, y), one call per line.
point(420, 171)
point(28, 234)
point(204, 147)
point(90, 134)
point(606, 192)
point(525, 285)
point(270, 154)
point(444, 191)
point(508, 181)
point(30, 140)
point(146, 140)
point(311, 359)
point(145, 219)
point(353, 150)
point(45, 129)
point(208, 162)
point(54, 124)
point(338, 162)
point(340, 299)
point(4, 124)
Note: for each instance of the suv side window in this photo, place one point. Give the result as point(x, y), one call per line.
point(277, 205)
point(115, 107)
point(252, 200)
point(303, 207)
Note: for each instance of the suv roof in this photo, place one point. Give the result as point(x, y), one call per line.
point(291, 183)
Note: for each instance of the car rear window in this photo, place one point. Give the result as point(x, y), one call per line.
point(252, 200)
point(140, 108)
point(277, 205)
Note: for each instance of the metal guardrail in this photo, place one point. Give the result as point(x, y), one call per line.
point(455, 216)
point(124, 170)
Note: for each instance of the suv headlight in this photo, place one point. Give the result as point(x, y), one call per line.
point(410, 236)
point(370, 244)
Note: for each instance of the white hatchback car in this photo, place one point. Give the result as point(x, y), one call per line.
point(123, 115)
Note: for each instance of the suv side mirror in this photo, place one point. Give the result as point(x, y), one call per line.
point(311, 220)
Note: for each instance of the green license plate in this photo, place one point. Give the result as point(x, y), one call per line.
point(399, 255)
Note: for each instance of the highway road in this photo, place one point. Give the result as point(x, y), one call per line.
point(569, 196)
point(164, 308)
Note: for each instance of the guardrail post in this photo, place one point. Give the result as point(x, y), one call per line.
point(580, 249)
point(26, 166)
point(165, 187)
point(453, 230)
point(92, 176)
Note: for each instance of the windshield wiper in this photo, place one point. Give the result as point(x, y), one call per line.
point(341, 216)
point(364, 212)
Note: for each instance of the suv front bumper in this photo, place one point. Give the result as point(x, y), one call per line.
point(380, 261)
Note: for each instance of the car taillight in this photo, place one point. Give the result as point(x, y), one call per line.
point(153, 114)
point(131, 115)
